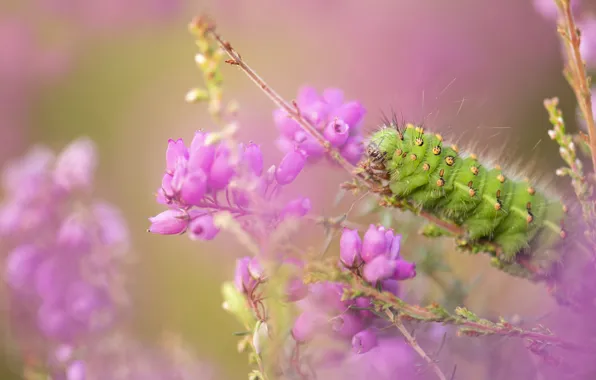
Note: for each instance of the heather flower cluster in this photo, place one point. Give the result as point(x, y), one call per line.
point(67, 248)
point(338, 121)
point(325, 311)
point(210, 176)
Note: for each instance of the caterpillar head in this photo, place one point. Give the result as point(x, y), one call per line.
point(382, 144)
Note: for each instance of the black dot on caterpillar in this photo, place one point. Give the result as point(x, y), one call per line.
point(517, 218)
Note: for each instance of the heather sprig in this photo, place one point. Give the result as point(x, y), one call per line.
point(340, 123)
point(210, 177)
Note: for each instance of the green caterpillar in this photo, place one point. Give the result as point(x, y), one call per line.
point(521, 227)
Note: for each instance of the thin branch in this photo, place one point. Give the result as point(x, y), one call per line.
point(577, 71)
point(412, 342)
point(470, 324)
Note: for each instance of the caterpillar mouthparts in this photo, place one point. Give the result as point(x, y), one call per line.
point(513, 220)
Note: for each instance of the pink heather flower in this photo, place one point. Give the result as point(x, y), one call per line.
point(289, 167)
point(222, 169)
point(75, 234)
point(75, 166)
point(297, 208)
point(21, 266)
point(374, 243)
point(169, 222)
point(379, 268)
point(404, 270)
point(347, 324)
point(337, 132)
point(253, 157)
point(242, 278)
point(338, 121)
point(364, 341)
point(204, 179)
point(306, 326)
point(112, 229)
point(202, 228)
point(76, 371)
point(350, 247)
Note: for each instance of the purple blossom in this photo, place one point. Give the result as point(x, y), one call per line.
point(75, 166)
point(210, 176)
point(338, 121)
point(289, 167)
point(306, 325)
point(364, 341)
point(374, 243)
point(243, 278)
point(169, 222)
point(202, 228)
point(350, 248)
point(66, 246)
point(380, 268)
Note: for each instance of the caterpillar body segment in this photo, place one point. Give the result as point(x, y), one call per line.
point(522, 224)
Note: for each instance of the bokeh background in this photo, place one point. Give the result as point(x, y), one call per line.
point(117, 71)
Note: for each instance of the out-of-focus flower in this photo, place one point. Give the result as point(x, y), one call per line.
point(339, 122)
point(67, 248)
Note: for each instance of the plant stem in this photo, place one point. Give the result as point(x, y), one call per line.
point(412, 342)
point(577, 71)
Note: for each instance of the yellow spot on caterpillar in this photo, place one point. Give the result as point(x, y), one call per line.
point(419, 129)
point(426, 167)
point(498, 205)
point(501, 178)
point(437, 150)
point(473, 156)
point(472, 192)
point(439, 137)
point(419, 141)
point(474, 170)
point(440, 182)
point(450, 160)
point(409, 126)
point(398, 152)
point(455, 148)
point(565, 209)
point(532, 191)
point(413, 157)
point(498, 167)
point(563, 234)
point(529, 218)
